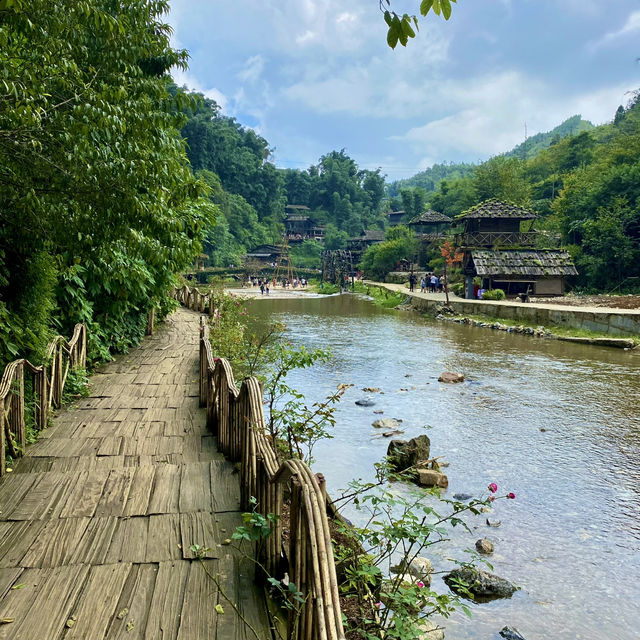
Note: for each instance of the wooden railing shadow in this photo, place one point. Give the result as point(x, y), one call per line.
point(236, 417)
point(46, 389)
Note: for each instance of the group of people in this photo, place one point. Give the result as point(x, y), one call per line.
point(265, 284)
point(429, 283)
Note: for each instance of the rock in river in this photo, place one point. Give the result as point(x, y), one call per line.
point(481, 584)
point(484, 546)
point(386, 423)
point(365, 402)
point(404, 454)
point(450, 377)
point(462, 497)
point(509, 633)
point(432, 478)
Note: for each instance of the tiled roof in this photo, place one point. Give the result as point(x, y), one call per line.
point(531, 263)
point(495, 209)
point(430, 217)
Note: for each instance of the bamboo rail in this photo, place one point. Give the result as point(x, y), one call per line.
point(47, 388)
point(236, 417)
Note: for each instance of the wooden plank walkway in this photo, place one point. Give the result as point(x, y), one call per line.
point(97, 520)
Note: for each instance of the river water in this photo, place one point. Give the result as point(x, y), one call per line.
point(557, 423)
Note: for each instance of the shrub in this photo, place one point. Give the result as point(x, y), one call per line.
point(493, 294)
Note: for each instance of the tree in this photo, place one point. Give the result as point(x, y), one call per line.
point(379, 259)
point(98, 206)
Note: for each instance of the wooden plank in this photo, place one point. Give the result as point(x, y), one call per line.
point(129, 542)
point(133, 606)
point(199, 618)
point(168, 596)
point(110, 446)
point(195, 488)
point(95, 541)
point(85, 495)
point(115, 493)
point(8, 577)
point(96, 606)
point(166, 490)
point(56, 543)
point(140, 491)
point(32, 465)
point(236, 574)
point(225, 486)
point(164, 541)
point(199, 529)
point(41, 608)
point(16, 539)
point(14, 487)
point(41, 500)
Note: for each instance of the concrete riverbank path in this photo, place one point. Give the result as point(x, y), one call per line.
point(98, 518)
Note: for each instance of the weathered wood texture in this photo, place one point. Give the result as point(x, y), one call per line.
point(236, 417)
point(98, 518)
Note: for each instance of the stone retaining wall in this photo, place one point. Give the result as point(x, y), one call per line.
point(617, 323)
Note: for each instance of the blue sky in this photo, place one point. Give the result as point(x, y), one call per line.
point(316, 75)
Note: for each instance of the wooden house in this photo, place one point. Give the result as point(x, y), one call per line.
point(299, 226)
point(394, 218)
point(264, 255)
point(498, 251)
point(534, 272)
point(359, 244)
point(432, 224)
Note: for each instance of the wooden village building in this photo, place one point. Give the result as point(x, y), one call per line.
point(430, 225)
point(264, 256)
point(358, 245)
point(394, 218)
point(299, 226)
point(504, 256)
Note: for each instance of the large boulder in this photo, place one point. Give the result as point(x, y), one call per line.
point(450, 377)
point(481, 584)
point(404, 454)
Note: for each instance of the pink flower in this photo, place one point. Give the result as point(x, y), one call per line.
point(420, 583)
point(511, 496)
point(493, 487)
point(378, 605)
point(492, 498)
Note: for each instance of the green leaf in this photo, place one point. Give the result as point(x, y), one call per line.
point(392, 37)
point(425, 6)
point(446, 8)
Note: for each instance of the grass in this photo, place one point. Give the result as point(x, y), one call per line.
point(380, 295)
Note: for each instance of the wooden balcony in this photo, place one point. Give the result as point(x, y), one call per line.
point(497, 239)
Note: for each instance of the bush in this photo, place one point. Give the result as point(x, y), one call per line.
point(493, 294)
point(457, 289)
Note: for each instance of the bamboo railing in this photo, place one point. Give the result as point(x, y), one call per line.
point(47, 389)
point(236, 417)
point(194, 299)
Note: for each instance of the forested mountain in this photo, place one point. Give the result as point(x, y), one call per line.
point(534, 144)
point(430, 178)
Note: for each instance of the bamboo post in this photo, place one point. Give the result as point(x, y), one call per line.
point(151, 321)
point(16, 416)
point(40, 392)
point(3, 460)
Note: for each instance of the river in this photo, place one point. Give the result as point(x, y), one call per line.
point(555, 422)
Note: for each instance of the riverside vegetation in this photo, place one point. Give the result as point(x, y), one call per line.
point(383, 594)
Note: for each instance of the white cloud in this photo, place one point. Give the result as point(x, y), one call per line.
point(184, 78)
point(631, 26)
point(487, 116)
point(252, 69)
